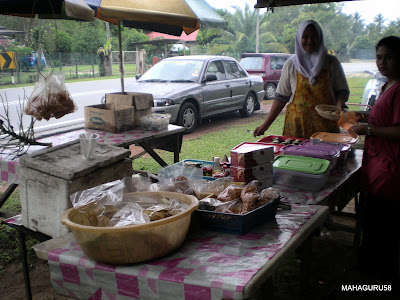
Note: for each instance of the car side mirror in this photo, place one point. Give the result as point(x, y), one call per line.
point(210, 77)
point(138, 76)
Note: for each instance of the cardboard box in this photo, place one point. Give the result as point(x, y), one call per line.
point(259, 172)
point(248, 154)
point(110, 117)
point(138, 100)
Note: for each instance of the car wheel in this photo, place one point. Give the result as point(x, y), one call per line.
point(187, 117)
point(270, 90)
point(249, 106)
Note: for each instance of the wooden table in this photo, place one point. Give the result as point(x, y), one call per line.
point(209, 265)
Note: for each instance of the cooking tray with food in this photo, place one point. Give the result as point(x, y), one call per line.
point(281, 140)
point(237, 223)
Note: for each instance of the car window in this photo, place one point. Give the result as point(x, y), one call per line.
point(216, 67)
point(174, 70)
point(252, 63)
point(277, 62)
point(233, 70)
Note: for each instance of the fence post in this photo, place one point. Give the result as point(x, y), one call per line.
point(59, 59)
point(93, 62)
point(76, 66)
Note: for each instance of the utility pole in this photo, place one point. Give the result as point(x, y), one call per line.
point(257, 30)
point(108, 31)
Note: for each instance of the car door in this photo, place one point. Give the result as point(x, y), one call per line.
point(215, 93)
point(274, 70)
point(239, 84)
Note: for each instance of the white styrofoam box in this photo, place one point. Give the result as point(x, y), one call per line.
point(45, 197)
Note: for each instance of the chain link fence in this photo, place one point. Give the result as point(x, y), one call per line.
point(73, 65)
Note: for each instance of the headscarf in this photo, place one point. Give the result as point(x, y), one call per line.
point(309, 64)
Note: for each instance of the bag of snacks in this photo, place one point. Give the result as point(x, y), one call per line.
point(50, 98)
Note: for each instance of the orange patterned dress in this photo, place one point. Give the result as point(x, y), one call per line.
point(302, 120)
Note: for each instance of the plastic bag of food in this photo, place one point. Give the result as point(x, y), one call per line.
point(181, 169)
point(50, 98)
point(110, 193)
point(130, 214)
point(217, 186)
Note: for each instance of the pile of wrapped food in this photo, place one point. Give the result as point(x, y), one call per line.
point(111, 205)
point(238, 199)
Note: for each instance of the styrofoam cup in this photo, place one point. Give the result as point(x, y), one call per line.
point(88, 143)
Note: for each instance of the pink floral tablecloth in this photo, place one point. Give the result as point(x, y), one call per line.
point(209, 265)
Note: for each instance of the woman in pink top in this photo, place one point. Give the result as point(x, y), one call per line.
point(380, 171)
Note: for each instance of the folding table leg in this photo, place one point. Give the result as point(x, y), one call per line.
point(153, 154)
point(178, 148)
point(25, 265)
point(305, 267)
point(7, 193)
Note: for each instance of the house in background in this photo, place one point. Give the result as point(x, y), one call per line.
point(186, 42)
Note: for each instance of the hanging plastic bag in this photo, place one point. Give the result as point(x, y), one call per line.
point(50, 98)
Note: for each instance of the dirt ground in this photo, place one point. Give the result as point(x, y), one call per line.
point(333, 257)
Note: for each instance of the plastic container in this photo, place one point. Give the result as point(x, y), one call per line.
point(343, 148)
point(269, 138)
point(237, 224)
point(301, 172)
point(301, 150)
point(248, 154)
point(335, 137)
point(155, 122)
point(133, 243)
point(217, 168)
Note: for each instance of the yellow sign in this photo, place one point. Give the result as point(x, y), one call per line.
point(7, 60)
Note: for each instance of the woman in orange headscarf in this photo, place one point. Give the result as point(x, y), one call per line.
point(310, 77)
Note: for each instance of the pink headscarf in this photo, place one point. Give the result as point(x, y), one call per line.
point(309, 64)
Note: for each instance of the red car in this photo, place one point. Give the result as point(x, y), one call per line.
point(268, 66)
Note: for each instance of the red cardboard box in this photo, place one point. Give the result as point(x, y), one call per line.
point(259, 172)
point(249, 155)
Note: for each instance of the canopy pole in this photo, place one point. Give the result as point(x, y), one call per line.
point(121, 63)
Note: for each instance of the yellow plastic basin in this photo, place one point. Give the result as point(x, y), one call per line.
point(133, 243)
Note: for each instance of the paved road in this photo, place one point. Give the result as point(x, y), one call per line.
point(91, 92)
point(359, 66)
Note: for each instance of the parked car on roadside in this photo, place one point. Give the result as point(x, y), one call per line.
point(31, 61)
point(268, 66)
point(197, 86)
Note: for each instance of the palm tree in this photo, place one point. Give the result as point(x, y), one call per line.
point(380, 23)
point(245, 23)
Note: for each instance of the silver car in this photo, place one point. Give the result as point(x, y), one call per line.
point(197, 86)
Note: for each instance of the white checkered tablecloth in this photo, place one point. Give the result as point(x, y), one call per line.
point(209, 265)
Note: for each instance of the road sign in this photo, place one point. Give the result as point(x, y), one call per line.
point(7, 60)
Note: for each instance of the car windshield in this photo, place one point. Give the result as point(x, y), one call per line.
point(252, 63)
point(173, 71)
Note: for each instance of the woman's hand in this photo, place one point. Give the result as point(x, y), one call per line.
point(260, 130)
point(362, 117)
point(360, 128)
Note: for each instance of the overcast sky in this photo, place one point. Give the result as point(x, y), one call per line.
point(390, 9)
